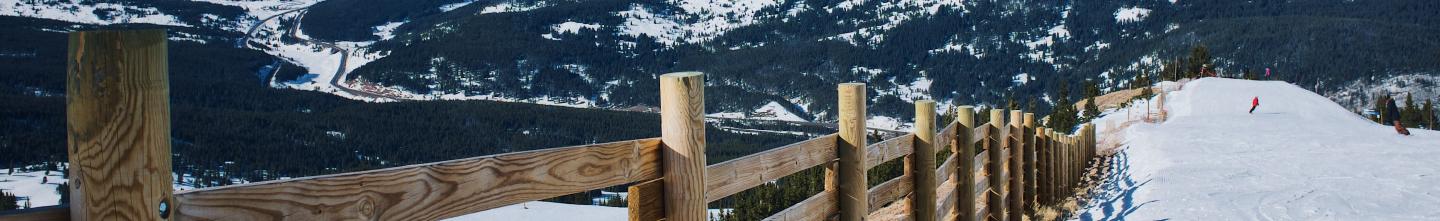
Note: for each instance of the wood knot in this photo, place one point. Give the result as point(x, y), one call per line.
point(367, 208)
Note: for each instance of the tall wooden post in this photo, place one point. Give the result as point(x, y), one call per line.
point(997, 166)
point(1053, 167)
point(964, 178)
point(1068, 157)
point(853, 198)
point(682, 131)
point(1090, 145)
point(118, 117)
point(118, 110)
point(1043, 168)
point(1074, 158)
point(1017, 165)
point(1030, 162)
point(921, 163)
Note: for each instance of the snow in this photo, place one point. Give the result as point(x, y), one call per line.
point(888, 123)
point(453, 6)
point(778, 112)
point(1022, 79)
point(547, 211)
point(512, 7)
point(74, 11)
point(1059, 31)
point(387, 30)
point(26, 185)
point(573, 27)
point(769, 111)
point(640, 21)
point(1131, 14)
point(1300, 156)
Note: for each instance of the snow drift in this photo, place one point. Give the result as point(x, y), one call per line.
point(1300, 156)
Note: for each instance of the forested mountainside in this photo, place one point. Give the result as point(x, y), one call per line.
point(607, 53)
point(229, 126)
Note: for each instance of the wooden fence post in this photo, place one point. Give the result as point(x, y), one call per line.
point(852, 196)
point(997, 165)
point(1052, 168)
point(1089, 141)
point(1017, 165)
point(1043, 169)
point(118, 110)
point(1069, 158)
point(1073, 175)
point(1030, 162)
point(964, 177)
point(921, 163)
point(682, 132)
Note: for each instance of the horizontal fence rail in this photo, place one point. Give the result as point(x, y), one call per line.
point(994, 171)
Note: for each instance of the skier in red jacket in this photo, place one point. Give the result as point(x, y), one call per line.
point(1254, 104)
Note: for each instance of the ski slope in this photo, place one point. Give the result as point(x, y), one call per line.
point(1300, 156)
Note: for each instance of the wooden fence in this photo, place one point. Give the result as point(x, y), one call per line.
point(1008, 168)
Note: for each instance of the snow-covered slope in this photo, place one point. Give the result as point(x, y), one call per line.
point(37, 187)
point(547, 211)
point(1300, 156)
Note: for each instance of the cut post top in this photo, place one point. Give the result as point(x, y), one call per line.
point(682, 74)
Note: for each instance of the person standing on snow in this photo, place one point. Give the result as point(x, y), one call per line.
point(1392, 114)
point(1254, 104)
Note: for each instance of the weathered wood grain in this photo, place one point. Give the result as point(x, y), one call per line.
point(730, 177)
point(900, 210)
point(852, 151)
point(1014, 138)
point(945, 204)
point(48, 213)
point(888, 191)
point(1031, 185)
point(887, 150)
point(946, 170)
point(921, 165)
point(682, 131)
point(118, 113)
point(646, 201)
point(997, 165)
point(966, 166)
point(430, 191)
point(821, 206)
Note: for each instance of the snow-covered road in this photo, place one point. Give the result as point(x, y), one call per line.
point(1300, 156)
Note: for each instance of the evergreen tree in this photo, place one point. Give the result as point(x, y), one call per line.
point(1063, 116)
point(1010, 102)
point(8, 201)
point(1410, 114)
point(948, 116)
point(1092, 89)
point(64, 190)
point(1142, 81)
point(1199, 61)
point(1092, 110)
point(1429, 114)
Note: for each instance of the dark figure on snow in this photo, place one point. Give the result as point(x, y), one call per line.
point(1392, 114)
point(1254, 103)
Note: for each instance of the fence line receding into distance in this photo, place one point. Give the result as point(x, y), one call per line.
point(995, 171)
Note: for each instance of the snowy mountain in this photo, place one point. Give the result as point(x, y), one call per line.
point(1300, 156)
point(607, 53)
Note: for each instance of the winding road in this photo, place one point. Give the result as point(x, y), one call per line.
point(340, 72)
